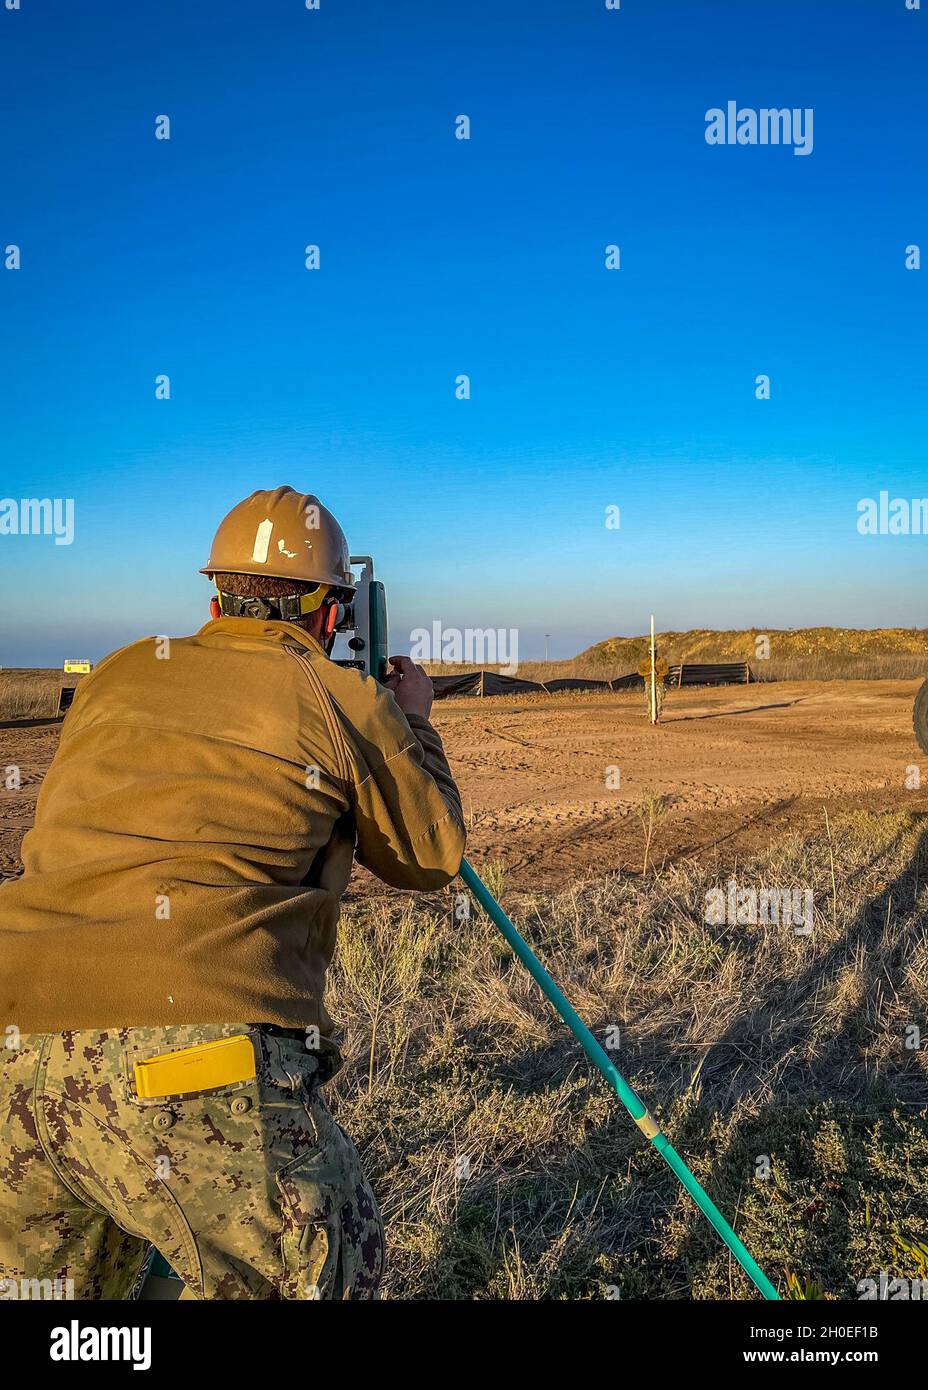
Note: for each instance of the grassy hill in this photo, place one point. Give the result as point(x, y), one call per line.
point(800, 653)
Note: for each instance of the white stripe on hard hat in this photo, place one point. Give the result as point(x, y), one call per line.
point(262, 541)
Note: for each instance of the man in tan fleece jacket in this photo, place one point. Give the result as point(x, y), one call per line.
point(163, 957)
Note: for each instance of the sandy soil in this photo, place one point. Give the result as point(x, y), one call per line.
point(739, 767)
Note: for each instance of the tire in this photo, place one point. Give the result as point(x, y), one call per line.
point(920, 717)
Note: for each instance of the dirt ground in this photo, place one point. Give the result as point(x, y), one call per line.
point(738, 767)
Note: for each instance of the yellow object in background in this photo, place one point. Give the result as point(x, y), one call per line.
point(200, 1068)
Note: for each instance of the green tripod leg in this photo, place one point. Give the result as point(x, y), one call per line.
point(632, 1102)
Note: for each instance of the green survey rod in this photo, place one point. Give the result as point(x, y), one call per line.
point(632, 1102)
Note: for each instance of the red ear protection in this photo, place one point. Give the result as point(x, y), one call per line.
point(332, 609)
point(214, 609)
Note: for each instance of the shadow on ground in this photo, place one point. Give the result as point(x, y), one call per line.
point(839, 1130)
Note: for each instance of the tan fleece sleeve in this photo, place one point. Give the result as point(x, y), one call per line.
point(435, 762)
point(408, 814)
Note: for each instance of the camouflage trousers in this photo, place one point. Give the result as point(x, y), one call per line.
point(249, 1190)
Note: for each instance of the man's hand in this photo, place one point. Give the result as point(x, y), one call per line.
point(411, 686)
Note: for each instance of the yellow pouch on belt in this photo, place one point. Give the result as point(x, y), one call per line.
point(200, 1068)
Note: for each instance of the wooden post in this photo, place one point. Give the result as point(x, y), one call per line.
point(653, 674)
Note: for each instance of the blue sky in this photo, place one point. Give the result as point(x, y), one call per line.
point(590, 387)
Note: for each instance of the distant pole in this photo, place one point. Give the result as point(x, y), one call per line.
point(653, 674)
point(547, 635)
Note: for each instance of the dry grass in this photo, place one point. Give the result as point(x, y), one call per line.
point(31, 694)
point(825, 668)
point(506, 1169)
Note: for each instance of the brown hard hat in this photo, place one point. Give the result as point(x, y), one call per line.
point(283, 533)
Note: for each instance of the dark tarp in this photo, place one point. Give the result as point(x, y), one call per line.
point(491, 683)
point(468, 684)
point(710, 673)
point(508, 685)
point(482, 683)
point(575, 683)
